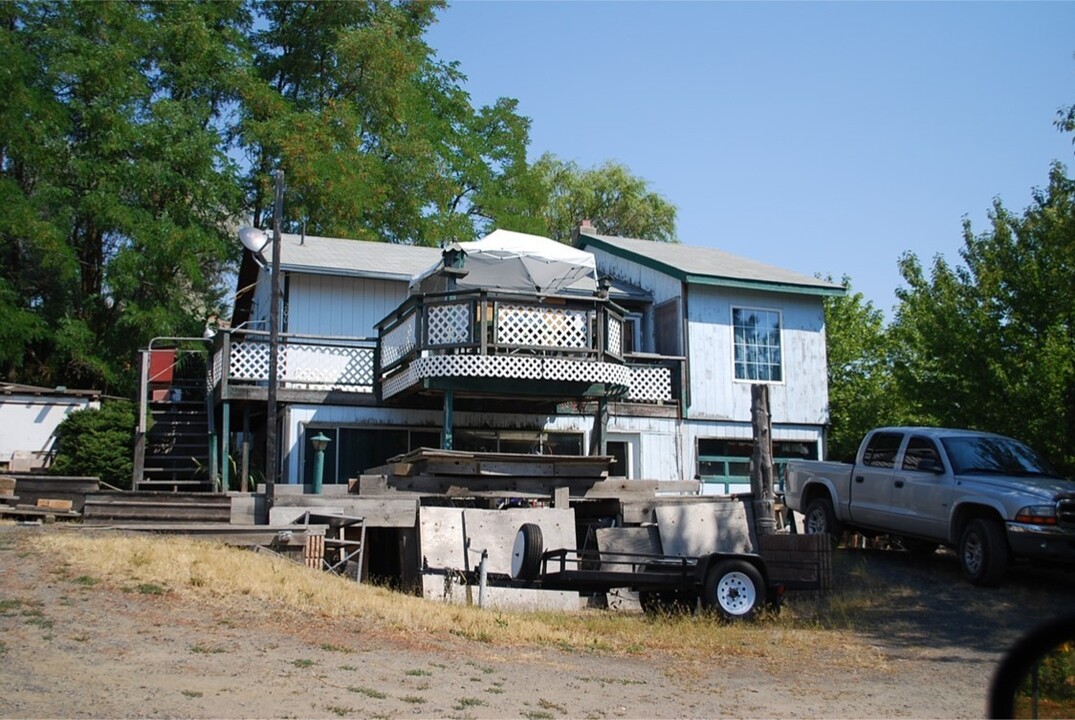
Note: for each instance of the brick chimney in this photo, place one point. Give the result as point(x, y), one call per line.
point(584, 226)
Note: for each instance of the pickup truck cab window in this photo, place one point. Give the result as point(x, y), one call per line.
point(881, 450)
point(921, 454)
point(994, 454)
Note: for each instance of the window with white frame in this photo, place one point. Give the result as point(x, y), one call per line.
point(757, 345)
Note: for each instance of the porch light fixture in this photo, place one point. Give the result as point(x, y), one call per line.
point(320, 441)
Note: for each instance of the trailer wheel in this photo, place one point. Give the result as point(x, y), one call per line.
point(526, 553)
point(734, 589)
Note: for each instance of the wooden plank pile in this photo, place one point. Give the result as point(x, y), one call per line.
point(32, 487)
point(110, 508)
point(459, 474)
point(41, 500)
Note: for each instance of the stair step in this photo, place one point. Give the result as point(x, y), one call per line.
point(168, 486)
point(170, 448)
point(172, 465)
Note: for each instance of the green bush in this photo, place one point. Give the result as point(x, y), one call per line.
point(98, 443)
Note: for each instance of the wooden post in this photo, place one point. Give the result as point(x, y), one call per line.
point(225, 447)
point(143, 424)
point(561, 497)
point(244, 472)
point(599, 436)
point(761, 462)
point(446, 435)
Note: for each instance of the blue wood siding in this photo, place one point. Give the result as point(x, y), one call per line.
point(341, 306)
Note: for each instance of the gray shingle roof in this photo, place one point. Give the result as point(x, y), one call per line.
point(356, 258)
point(708, 266)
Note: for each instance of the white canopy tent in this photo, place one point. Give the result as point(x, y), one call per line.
point(506, 260)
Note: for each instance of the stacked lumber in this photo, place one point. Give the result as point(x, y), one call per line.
point(7, 491)
point(38, 486)
point(142, 507)
point(458, 474)
point(35, 507)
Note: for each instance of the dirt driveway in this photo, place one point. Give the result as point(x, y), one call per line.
point(69, 648)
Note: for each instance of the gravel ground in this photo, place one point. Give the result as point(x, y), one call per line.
point(81, 650)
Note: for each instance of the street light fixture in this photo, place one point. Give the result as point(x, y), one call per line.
point(255, 241)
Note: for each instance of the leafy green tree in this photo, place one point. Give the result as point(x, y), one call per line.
point(992, 345)
point(861, 387)
point(614, 200)
point(376, 136)
point(116, 184)
point(97, 443)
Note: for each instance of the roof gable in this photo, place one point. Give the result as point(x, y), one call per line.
point(709, 266)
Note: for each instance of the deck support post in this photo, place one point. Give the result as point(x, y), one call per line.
point(244, 476)
point(225, 446)
point(446, 439)
point(599, 437)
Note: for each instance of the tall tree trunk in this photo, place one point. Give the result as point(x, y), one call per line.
point(761, 462)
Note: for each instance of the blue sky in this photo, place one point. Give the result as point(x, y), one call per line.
point(820, 137)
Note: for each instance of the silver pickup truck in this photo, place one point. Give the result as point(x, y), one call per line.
point(990, 497)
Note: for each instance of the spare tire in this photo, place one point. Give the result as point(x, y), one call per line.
point(526, 553)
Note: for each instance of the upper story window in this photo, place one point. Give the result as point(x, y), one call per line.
point(757, 345)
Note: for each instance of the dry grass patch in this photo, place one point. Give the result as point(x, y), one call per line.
point(231, 577)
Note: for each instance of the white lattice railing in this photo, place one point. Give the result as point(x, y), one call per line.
point(448, 324)
point(304, 365)
point(546, 327)
point(399, 342)
point(614, 335)
point(650, 384)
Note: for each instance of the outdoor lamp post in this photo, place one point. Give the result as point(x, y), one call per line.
point(320, 442)
point(255, 241)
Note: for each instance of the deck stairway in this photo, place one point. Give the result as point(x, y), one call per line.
point(188, 509)
point(177, 448)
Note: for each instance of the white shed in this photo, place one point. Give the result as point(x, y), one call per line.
point(29, 417)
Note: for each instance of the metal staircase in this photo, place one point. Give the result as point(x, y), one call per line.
point(174, 440)
point(177, 448)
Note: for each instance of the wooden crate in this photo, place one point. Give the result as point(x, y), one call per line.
point(7, 486)
point(800, 562)
point(314, 552)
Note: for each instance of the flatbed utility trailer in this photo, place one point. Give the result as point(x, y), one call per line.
point(734, 585)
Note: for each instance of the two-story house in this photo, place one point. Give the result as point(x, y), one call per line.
point(639, 350)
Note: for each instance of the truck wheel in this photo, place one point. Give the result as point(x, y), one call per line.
point(734, 589)
point(526, 553)
point(983, 552)
point(821, 518)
